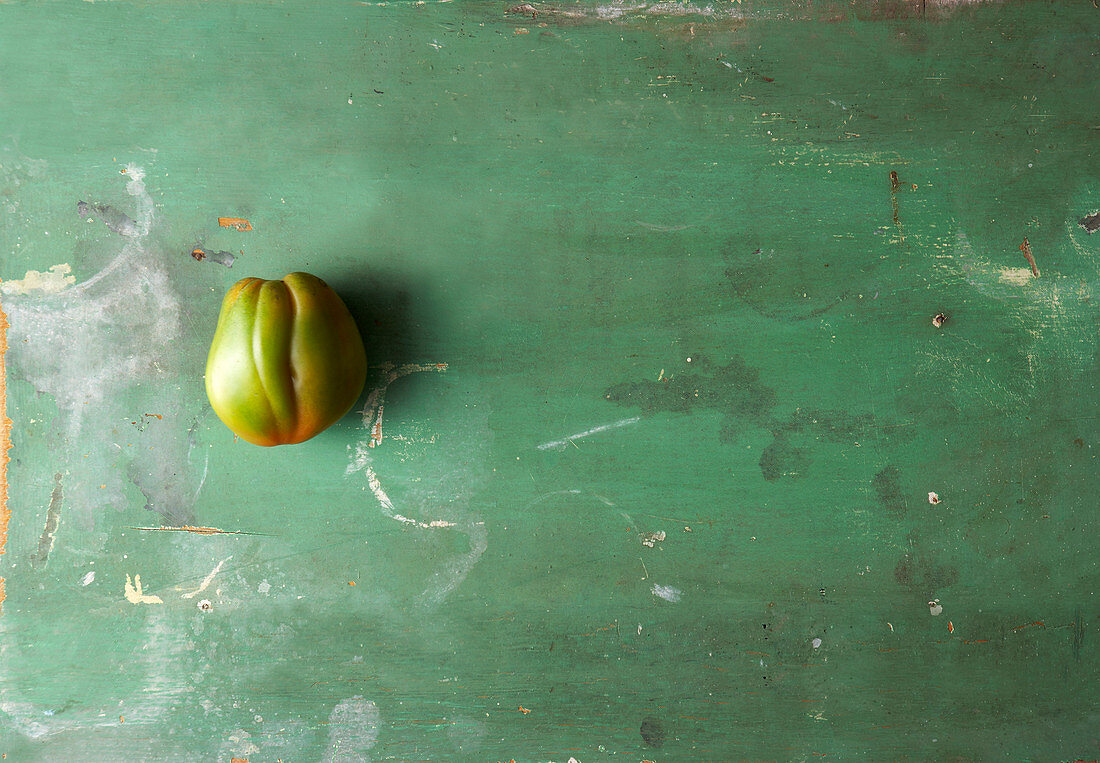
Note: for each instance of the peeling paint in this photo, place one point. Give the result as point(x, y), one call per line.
point(53, 281)
point(235, 222)
point(53, 520)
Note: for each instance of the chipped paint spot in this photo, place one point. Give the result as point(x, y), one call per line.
point(935, 608)
point(55, 280)
point(135, 595)
point(238, 223)
point(933, 498)
point(88, 578)
point(650, 539)
point(816, 643)
point(667, 592)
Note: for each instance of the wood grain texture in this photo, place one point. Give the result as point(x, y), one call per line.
point(714, 411)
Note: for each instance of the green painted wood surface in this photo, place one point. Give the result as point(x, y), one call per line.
point(659, 249)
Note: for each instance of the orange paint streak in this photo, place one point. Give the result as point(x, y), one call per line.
point(977, 641)
point(5, 444)
point(235, 222)
point(195, 530)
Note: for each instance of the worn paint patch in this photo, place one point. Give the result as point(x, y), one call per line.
point(135, 595)
point(5, 444)
point(53, 281)
point(101, 348)
point(1015, 276)
point(353, 728)
point(209, 255)
point(116, 220)
point(667, 592)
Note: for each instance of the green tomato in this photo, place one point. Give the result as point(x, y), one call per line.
point(287, 361)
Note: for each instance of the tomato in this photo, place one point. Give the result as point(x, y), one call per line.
point(287, 361)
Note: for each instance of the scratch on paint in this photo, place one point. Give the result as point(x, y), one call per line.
point(1026, 249)
point(134, 594)
point(5, 444)
point(235, 222)
point(207, 580)
point(195, 530)
point(558, 444)
point(53, 520)
point(1030, 625)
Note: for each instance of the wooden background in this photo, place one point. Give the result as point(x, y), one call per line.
point(673, 463)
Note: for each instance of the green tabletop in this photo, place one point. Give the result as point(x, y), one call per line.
point(731, 388)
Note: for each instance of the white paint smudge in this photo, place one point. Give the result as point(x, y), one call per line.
point(135, 595)
point(387, 505)
point(207, 580)
point(451, 488)
point(651, 539)
point(88, 578)
point(372, 409)
point(559, 444)
point(935, 608)
point(55, 280)
point(1015, 276)
point(816, 643)
point(264, 587)
point(242, 743)
point(667, 592)
point(100, 349)
point(352, 730)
